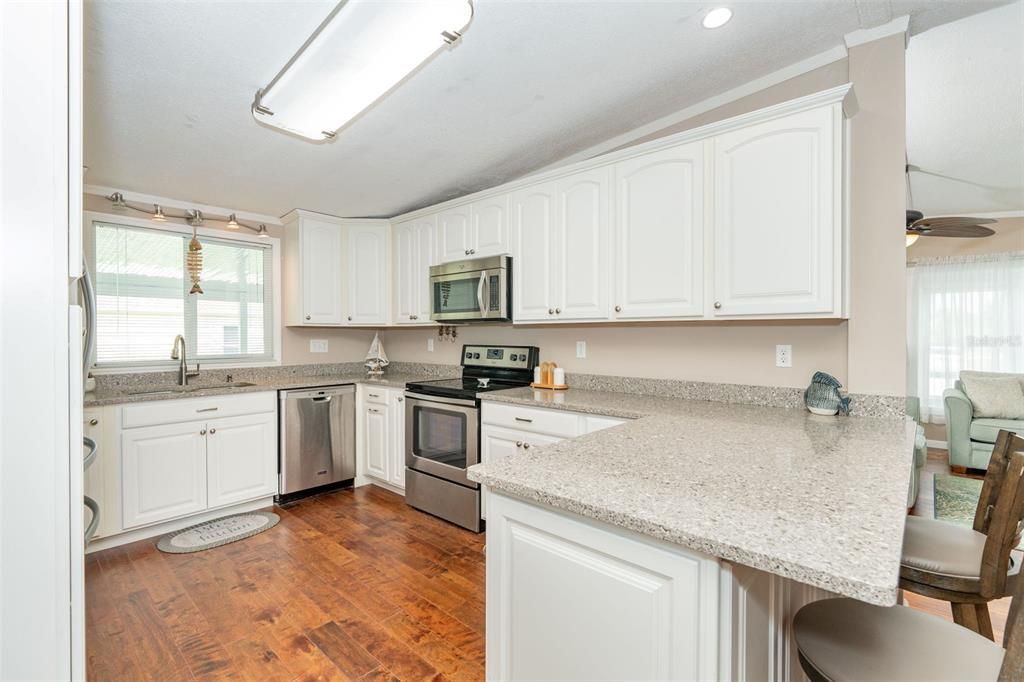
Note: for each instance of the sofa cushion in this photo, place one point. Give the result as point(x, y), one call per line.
point(993, 395)
point(986, 430)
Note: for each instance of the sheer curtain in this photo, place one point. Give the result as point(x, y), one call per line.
point(962, 313)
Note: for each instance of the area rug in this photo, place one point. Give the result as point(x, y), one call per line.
point(956, 498)
point(217, 532)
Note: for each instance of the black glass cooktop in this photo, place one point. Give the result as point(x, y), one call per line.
point(466, 387)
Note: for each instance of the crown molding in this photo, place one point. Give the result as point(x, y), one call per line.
point(167, 202)
point(868, 35)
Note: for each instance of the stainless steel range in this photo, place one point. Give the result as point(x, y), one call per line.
point(442, 430)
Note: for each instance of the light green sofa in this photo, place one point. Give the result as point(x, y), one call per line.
point(970, 440)
point(920, 451)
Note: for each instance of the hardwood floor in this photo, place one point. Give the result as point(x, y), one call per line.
point(938, 463)
point(351, 585)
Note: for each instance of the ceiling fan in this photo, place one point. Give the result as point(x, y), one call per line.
point(942, 226)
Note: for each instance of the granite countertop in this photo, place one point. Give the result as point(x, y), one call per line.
point(137, 393)
point(820, 500)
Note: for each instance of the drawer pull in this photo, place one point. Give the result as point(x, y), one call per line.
point(519, 443)
point(94, 421)
point(374, 395)
point(208, 409)
point(524, 419)
point(526, 446)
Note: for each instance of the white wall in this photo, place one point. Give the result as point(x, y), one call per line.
point(35, 616)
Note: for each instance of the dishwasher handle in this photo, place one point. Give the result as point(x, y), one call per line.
point(322, 399)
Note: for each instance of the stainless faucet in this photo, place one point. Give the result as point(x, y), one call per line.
point(178, 353)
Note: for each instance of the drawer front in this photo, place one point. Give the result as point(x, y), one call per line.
point(375, 395)
point(532, 420)
point(196, 409)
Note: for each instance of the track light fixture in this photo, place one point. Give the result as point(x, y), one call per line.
point(192, 216)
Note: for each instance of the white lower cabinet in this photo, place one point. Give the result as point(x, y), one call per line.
point(380, 437)
point(568, 599)
point(163, 471)
point(241, 459)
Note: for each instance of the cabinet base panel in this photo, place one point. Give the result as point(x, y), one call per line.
point(310, 492)
point(136, 534)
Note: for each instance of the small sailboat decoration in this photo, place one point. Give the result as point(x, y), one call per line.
point(376, 358)
point(194, 262)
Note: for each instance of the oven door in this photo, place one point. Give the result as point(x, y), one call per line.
point(470, 296)
point(442, 436)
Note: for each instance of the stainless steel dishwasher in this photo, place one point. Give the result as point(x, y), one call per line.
point(318, 440)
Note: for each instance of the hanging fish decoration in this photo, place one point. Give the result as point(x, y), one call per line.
point(194, 263)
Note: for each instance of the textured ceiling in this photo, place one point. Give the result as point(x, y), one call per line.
point(168, 87)
point(965, 114)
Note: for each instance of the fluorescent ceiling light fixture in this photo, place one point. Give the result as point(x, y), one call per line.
point(362, 50)
point(717, 17)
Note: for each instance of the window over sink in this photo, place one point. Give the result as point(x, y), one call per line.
point(142, 299)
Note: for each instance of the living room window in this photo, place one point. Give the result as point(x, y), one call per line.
point(963, 313)
point(142, 299)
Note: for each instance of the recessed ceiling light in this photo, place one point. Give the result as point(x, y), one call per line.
point(717, 17)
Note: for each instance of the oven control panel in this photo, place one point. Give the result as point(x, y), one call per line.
point(507, 357)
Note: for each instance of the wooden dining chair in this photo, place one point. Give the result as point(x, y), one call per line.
point(969, 567)
point(844, 640)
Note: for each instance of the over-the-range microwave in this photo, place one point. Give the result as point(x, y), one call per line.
point(477, 290)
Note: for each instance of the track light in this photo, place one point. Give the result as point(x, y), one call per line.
point(117, 199)
point(232, 222)
point(261, 231)
point(192, 216)
point(158, 214)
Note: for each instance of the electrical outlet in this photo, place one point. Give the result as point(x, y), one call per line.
point(581, 349)
point(318, 345)
point(784, 356)
point(430, 345)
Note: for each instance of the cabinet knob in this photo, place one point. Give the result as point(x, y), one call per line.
point(526, 446)
point(558, 311)
point(718, 305)
point(307, 317)
point(551, 311)
point(203, 432)
point(349, 318)
point(472, 251)
point(94, 421)
point(400, 398)
point(213, 431)
point(466, 252)
point(519, 443)
point(618, 308)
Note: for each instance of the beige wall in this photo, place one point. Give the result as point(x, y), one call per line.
point(344, 345)
point(878, 283)
point(1009, 236)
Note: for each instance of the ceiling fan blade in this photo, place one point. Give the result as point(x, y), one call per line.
point(961, 231)
point(942, 222)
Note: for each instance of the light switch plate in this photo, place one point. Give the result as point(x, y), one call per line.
point(581, 349)
point(430, 345)
point(784, 356)
point(318, 345)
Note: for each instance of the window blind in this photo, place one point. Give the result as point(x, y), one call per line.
point(143, 301)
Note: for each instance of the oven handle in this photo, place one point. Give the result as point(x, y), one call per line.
point(435, 399)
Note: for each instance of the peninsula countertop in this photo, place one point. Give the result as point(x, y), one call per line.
point(820, 500)
point(144, 392)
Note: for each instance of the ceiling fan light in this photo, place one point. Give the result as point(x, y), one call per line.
point(357, 55)
point(911, 238)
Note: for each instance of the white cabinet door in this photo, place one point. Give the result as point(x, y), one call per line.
point(163, 471)
point(581, 246)
point(659, 234)
point(777, 216)
point(413, 255)
point(396, 439)
point(497, 443)
point(367, 274)
point(533, 225)
point(453, 234)
point(241, 460)
point(570, 599)
point(321, 272)
point(375, 440)
point(490, 227)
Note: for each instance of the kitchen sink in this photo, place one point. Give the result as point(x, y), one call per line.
point(185, 390)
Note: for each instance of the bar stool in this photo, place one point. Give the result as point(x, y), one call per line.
point(970, 567)
point(845, 639)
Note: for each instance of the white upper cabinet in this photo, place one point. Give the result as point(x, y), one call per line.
point(659, 234)
point(533, 227)
point(453, 233)
point(489, 235)
point(312, 274)
point(581, 246)
point(778, 220)
point(559, 238)
point(367, 277)
point(414, 252)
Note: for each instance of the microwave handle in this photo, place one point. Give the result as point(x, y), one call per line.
point(480, 293)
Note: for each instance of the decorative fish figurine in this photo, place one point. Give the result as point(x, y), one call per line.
point(194, 263)
point(824, 397)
